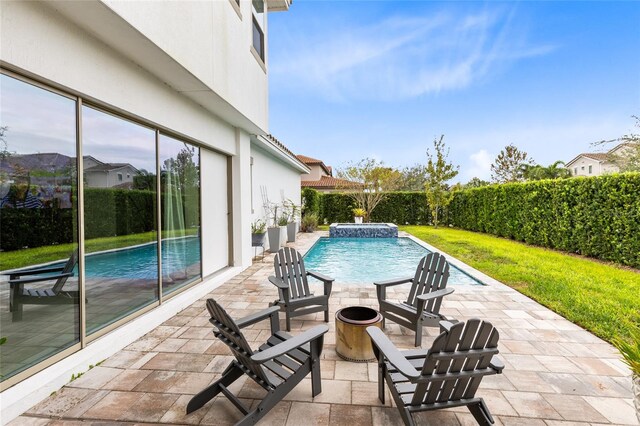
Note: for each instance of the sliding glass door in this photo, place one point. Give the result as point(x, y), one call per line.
point(180, 194)
point(39, 304)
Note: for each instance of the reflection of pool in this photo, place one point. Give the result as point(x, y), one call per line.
point(365, 260)
point(141, 261)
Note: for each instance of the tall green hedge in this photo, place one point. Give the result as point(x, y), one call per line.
point(597, 216)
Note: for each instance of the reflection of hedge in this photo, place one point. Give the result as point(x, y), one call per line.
point(35, 227)
point(108, 213)
point(598, 216)
point(112, 212)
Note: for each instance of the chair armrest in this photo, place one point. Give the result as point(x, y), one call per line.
point(394, 281)
point(496, 364)
point(278, 282)
point(391, 353)
point(446, 325)
point(39, 279)
point(16, 274)
point(290, 344)
point(435, 294)
point(319, 276)
point(257, 317)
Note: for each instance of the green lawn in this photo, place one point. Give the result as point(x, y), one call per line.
point(603, 298)
point(38, 255)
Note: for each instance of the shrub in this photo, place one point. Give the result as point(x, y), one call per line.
point(309, 222)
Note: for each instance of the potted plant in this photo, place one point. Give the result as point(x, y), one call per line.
point(258, 229)
point(358, 215)
point(283, 221)
point(630, 351)
point(274, 231)
point(309, 222)
point(292, 225)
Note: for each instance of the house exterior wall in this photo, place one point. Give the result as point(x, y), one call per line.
point(202, 61)
point(276, 181)
point(580, 167)
point(316, 173)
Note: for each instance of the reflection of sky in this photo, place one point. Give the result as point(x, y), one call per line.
point(112, 139)
point(170, 148)
point(38, 121)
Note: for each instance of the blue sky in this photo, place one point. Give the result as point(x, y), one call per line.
point(382, 79)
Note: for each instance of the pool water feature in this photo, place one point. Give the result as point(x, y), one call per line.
point(366, 260)
point(363, 230)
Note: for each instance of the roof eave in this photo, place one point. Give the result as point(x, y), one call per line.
point(278, 152)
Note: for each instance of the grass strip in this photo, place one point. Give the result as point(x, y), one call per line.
point(603, 298)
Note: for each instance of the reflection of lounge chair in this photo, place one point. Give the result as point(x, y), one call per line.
point(24, 296)
point(445, 376)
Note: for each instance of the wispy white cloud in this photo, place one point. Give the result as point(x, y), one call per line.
point(479, 165)
point(401, 57)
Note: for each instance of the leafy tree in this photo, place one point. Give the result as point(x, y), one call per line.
point(439, 172)
point(627, 158)
point(367, 181)
point(413, 178)
point(538, 172)
point(475, 183)
point(508, 165)
point(4, 148)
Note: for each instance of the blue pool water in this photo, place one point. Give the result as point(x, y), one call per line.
point(141, 262)
point(365, 260)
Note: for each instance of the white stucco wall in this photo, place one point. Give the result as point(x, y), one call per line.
point(212, 42)
point(277, 179)
point(74, 60)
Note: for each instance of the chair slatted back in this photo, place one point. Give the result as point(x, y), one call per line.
point(68, 267)
point(456, 363)
point(289, 267)
point(432, 274)
point(229, 333)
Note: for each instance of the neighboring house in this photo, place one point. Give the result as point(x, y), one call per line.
point(596, 163)
point(321, 177)
point(108, 175)
point(183, 74)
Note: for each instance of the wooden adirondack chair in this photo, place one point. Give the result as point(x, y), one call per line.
point(23, 296)
point(447, 375)
point(422, 307)
point(293, 287)
point(278, 365)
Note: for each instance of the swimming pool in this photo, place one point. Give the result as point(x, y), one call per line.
point(365, 260)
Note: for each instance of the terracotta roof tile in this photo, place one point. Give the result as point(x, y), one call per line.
point(328, 182)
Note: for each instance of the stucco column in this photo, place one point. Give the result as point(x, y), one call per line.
point(241, 204)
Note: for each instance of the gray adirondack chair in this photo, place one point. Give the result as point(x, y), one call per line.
point(277, 366)
point(445, 376)
point(293, 287)
point(422, 307)
point(19, 295)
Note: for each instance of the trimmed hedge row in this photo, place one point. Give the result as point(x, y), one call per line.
point(108, 213)
point(597, 216)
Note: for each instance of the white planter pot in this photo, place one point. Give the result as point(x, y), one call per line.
point(273, 234)
point(358, 219)
point(292, 230)
point(283, 235)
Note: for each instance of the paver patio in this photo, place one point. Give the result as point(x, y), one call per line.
point(556, 373)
